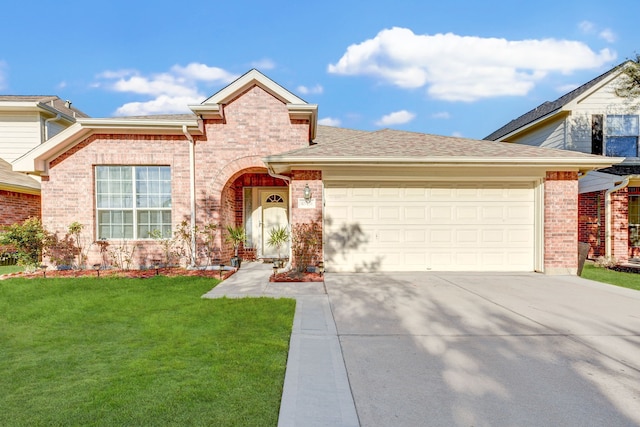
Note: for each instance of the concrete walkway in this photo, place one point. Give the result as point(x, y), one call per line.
point(316, 388)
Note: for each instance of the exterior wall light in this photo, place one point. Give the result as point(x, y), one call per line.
point(307, 193)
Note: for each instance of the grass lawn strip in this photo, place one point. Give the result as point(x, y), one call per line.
point(139, 352)
point(625, 280)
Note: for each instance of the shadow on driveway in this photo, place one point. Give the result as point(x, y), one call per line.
point(450, 349)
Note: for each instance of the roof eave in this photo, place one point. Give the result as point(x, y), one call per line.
point(20, 189)
point(538, 122)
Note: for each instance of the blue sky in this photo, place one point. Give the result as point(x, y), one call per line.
point(460, 68)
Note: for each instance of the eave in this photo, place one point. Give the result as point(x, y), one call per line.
point(37, 160)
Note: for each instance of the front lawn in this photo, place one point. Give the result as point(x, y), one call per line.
point(625, 280)
point(6, 269)
point(109, 351)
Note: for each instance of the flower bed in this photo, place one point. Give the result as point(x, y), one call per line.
point(293, 276)
point(133, 274)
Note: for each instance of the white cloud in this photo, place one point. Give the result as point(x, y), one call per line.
point(608, 35)
point(304, 90)
point(3, 75)
point(170, 92)
point(264, 64)
point(457, 134)
point(587, 27)
point(441, 115)
point(396, 118)
point(329, 121)
point(462, 68)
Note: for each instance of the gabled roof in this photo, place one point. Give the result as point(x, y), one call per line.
point(18, 182)
point(389, 146)
point(213, 107)
point(547, 108)
point(49, 103)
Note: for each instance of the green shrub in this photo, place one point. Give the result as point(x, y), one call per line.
point(28, 238)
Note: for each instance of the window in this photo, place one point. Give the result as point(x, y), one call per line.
point(621, 135)
point(132, 201)
point(634, 220)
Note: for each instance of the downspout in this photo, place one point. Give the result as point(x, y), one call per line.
point(192, 190)
point(608, 215)
point(272, 173)
point(46, 125)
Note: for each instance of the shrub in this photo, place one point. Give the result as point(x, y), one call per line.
point(305, 244)
point(605, 262)
point(28, 238)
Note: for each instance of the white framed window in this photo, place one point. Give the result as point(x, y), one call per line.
point(634, 221)
point(132, 201)
point(621, 135)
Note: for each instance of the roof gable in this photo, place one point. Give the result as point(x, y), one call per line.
point(548, 109)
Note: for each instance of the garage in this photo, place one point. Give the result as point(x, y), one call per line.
point(438, 226)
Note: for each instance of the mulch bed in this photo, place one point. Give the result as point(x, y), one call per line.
point(292, 276)
point(626, 269)
point(131, 274)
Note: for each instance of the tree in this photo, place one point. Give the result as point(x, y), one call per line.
point(629, 86)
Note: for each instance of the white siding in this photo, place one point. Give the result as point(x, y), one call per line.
point(19, 133)
point(549, 136)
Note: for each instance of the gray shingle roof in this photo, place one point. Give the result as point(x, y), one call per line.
point(15, 179)
point(548, 107)
point(186, 116)
point(50, 100)
point(389, 143)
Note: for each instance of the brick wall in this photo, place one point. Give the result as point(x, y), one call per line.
point(304, 215)
point(255, 125)
point(591, 225)
point(620, 225)
point(16, 207)
point(561, 223)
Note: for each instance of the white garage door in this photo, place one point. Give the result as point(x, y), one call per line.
point(439, 227)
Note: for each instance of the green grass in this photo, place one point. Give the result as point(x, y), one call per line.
point(106, 352)
point(6, 269)
point(625, 280)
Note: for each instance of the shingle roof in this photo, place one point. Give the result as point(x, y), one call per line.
point(186, 116)
point(15, 179)
point(327, 134)
point(388, 143)
point(50, 100)
point(548, 107)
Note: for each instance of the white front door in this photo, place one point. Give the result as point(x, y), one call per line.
point(275, 213)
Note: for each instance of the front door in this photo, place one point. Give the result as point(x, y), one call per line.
point(275, 207)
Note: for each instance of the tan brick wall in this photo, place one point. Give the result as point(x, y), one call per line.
point(561, 223)
point(16, 207)
point(255, 125)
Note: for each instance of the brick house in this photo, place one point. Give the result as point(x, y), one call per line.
point(26, 122)
point(595, 118)
point(253, 155)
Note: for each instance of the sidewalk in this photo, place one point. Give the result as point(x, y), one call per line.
point(316, 388)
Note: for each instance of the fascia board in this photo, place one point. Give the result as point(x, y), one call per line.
point(574, 102)
point(49, 109)
point(20, 189)
point(135, 126)
point(577, 164)
point(247, 80)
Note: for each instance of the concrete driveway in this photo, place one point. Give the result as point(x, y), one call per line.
point(447, 349)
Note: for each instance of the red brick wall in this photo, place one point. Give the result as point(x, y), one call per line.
point(16, 207)
point(301, 215)
point(255, 125)
point(561, 223)
point(591, 224)
point(620, 225)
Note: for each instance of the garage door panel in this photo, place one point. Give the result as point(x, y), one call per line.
point(417, 227)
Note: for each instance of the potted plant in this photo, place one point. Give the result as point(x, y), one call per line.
point(278, 236)
point(235, 236)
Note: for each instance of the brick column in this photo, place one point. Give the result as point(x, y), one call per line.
point(620, 225)
point(307, 214)
point(561, 223)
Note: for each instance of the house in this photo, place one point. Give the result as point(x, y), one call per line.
point(26, 122)
point(596, 118)
point(253, 154)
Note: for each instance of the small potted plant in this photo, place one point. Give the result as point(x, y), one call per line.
point(278, 236)
point(235, 236)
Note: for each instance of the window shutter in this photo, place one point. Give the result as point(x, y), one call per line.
point(596, 134)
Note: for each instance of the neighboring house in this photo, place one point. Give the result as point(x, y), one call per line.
point(252, 154)
point(594, 119)
point(26, 122)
